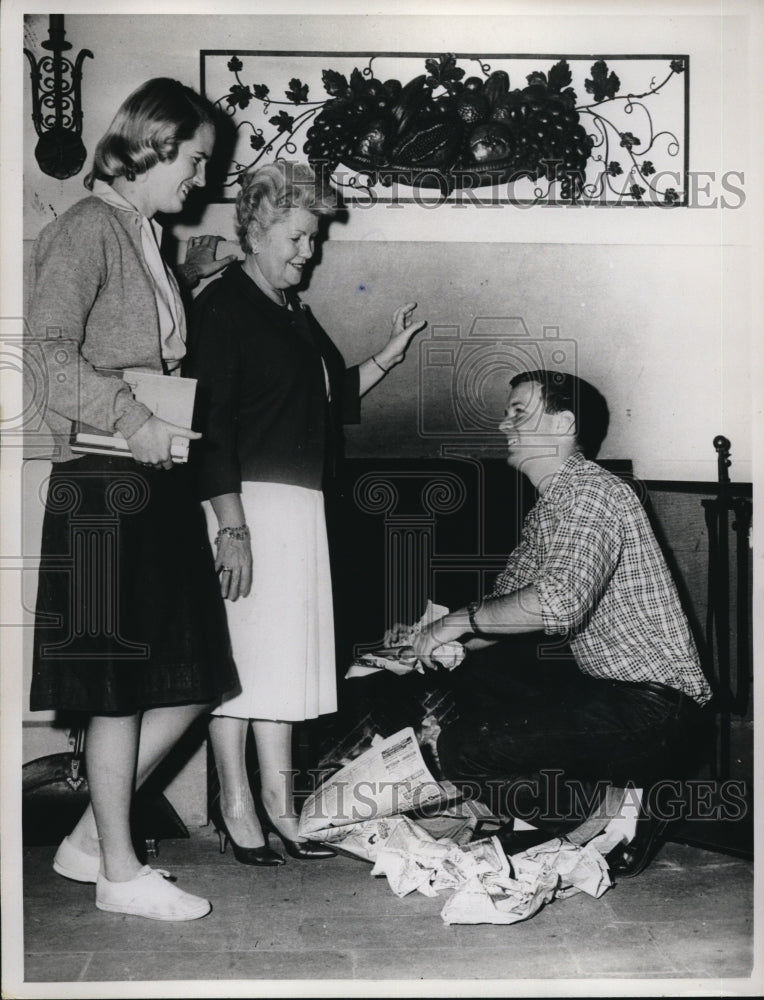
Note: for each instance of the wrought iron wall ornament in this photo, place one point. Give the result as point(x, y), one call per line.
point(517, 121)
point(57, 105)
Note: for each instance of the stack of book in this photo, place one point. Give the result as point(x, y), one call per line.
point(169, 398)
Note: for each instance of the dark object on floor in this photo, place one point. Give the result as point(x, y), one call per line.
point(261, 856)
point(55, 794)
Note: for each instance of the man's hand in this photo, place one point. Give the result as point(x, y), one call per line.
point(446, 629)
point(396, 635)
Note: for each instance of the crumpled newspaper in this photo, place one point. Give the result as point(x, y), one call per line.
point(502, 901)
point(439, 864)
point(449, 655)
point(486, 886)
point(553, 870)
point(580, 869)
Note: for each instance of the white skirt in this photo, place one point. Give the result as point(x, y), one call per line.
point(282, 634)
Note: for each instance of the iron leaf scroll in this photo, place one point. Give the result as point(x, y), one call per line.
point(524, 129)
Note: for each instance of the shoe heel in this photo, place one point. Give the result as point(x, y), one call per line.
point(216, 818)
point(222, 840)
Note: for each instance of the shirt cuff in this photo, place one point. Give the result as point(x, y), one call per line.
point(132, 419)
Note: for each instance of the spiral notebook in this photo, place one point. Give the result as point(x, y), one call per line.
point(170, 398)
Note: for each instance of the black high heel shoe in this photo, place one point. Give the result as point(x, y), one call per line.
point(303, 850)
point(263, 856)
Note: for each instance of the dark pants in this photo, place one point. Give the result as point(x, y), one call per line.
point(541, 741)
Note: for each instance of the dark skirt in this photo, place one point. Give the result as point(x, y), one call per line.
point(129, 612)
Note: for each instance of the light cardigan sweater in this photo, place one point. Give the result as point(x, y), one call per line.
point(92, 304)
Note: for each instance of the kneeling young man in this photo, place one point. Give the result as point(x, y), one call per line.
point(587, 568)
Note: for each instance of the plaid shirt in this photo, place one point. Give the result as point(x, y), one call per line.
point(588, 550)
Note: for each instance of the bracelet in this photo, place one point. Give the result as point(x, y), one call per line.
point(239, 533)
point(385, 370)
point(472, 609)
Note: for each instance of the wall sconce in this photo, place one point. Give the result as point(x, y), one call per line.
point(56, 105)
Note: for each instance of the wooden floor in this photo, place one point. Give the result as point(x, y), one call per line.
point(688, 917)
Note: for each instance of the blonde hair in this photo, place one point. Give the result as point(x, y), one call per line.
point(148, 128)
point(269, 193)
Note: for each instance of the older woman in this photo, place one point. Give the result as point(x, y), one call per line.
point(133, 631)
point(274, 393)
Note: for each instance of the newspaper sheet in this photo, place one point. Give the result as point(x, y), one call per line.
point(388, 779)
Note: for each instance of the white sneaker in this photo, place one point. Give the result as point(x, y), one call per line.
point(73, 863)
point(150, 895)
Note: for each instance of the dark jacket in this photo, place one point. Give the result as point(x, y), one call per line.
point(261, 396)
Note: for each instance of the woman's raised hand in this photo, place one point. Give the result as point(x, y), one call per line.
point(151, 444)
point(404, 328)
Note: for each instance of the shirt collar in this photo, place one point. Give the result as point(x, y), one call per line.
point(107, 193)
point(563, 477)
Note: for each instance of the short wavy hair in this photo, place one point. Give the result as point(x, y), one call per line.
point(148, 129)
point(269, 193)
point(561, 391)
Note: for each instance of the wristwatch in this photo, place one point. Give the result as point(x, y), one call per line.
point(472, 609)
